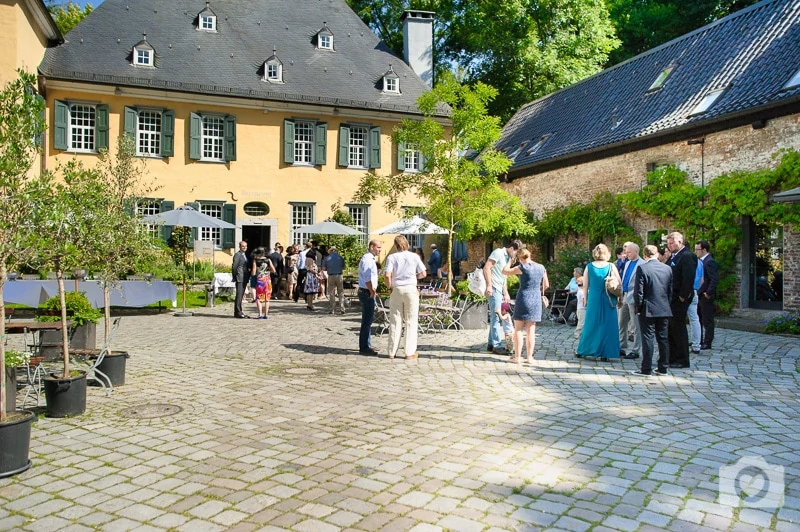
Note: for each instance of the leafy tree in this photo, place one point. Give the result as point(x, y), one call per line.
point(21, 122)
point(68, 15)
point(460, 193)
point(350, 247)
point(645, 24)
point(525, 48)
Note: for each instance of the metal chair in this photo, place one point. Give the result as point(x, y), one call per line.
point(90, 359)
point(381, 321)
point(558, 304)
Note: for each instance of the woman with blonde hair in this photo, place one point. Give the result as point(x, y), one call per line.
point(403, 268)
point(533, 282)
point(600, 334)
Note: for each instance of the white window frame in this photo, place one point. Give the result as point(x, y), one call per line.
point(357, 153)
point(142, 57)
point(89, 137)
point(207, 22)
point(413, 159)
point(148, 207)
point(391, 84)
point(322, 44)
point(360, 214)
point(208, 142)
point(211, 234)
point(277, 76)
point(705, 104)
point(150, 134)
point(301, 214)
point(304, 142)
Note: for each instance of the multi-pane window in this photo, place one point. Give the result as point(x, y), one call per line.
point(148, 208)
point(360, 218)
point(148, 134)
point(273, 71)
point(144, 57)
point(213, 138)
point(303, 143)
point(82, 127)
point(208, 22)
point(326, 42)
point(302, 214)
point(412, 159)
point(358, 147)
point(212, 234)
point(391, 84)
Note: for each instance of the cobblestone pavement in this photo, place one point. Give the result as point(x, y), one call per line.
point(284, 426)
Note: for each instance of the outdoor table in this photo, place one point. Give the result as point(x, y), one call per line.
point(223, 282)
point(122, 293)
point(36, 328)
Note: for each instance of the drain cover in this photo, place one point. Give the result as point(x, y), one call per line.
point(301, 371)
point(150, 411)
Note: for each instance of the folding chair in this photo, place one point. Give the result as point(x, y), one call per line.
point(558, 304)
point(381, 316)
point(90, 359)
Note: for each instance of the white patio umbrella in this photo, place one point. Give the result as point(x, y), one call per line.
point(328, 227)
point(416, 225)
point(185, 216)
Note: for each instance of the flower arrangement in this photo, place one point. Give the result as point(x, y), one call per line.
point(15, 359)
point(788, 323)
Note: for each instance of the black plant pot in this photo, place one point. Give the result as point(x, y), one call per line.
point(11, 389)
point(15, 442)
point(113, 367)
point(65, 397)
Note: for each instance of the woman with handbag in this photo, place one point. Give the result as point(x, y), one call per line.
point(600, 334)
point(528, 306)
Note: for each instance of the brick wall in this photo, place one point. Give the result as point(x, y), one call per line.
point(742, 148)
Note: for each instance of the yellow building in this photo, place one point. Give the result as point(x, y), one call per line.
point(261, 113)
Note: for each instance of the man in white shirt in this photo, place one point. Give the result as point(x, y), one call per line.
point(367, 286)
point(401, 273)
point(497, 292)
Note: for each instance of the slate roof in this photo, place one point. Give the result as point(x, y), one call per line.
point(752, 54)
point(228, 62)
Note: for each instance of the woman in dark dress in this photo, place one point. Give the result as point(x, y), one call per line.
point(528, 307)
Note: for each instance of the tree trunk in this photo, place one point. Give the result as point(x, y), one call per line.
point(107, 311)
point(2, 344)
point(64, 332)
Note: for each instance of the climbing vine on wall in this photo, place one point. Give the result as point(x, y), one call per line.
point(602, 217)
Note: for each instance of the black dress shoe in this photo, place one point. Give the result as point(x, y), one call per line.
point(679, 366)
point(631, 356)
point(490, 348)
point(705, 347)
point(368, 352)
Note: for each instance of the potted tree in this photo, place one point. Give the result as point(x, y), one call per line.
point(22, 123)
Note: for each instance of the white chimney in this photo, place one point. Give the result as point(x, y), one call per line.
point(418, 43)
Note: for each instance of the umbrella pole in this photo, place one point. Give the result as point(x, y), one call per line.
point(184, 313)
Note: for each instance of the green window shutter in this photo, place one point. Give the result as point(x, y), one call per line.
point(288, 141)
point(229, 235)
point(60, 124)
point(39, 137)
point(401, 156)
point(166, 230)
point(195, 127)
point(321, 143)
point(196, 206)
point(374, 147)
point(130, 123)
point(101, 127)
point(168, 133)
point(344, 146)
point(230, 138)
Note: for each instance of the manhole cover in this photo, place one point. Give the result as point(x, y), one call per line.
point(301, 371)
point(150, 411)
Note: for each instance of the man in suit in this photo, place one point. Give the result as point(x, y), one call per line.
point(652, 295)
point(276, 258)
point(241, 276)
point(707, 293)
point(434, 261)
point(684, 266)
point(627, 313)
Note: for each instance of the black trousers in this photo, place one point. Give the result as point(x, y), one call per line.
point(301, 283)
point(654, 330)
point(678, 335)
point(705, 310)
point(237, 306)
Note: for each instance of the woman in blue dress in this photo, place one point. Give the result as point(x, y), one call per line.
point(528, 306)
point(600, 335)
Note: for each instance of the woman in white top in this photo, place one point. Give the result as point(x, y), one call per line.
point(403, 268)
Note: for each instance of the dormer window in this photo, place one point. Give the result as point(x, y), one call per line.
point(325, 38)
point(207, 20)
point(143, 53)
point(391, 82)
point(661, 79)
point(707, 101)
point(273, 69)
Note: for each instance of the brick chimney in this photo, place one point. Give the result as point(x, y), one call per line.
point(418, 43)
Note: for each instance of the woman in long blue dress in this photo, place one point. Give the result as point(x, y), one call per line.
point(528, 306)
point(600, 335)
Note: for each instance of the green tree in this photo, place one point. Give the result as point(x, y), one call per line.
point(21, 124)
point(644, 24)
point(461, 193)
point(524, 48)
point(350, 247)
point(68, 15)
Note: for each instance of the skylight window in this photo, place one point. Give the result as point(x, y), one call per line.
point(707, 101)
point(794, 82)
point(659, 82)
point(536, 147)
point(513, 154)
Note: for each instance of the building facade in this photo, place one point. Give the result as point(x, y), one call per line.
point(721, 99)
point(263, 113)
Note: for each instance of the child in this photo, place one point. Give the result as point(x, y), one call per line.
point(581, 312)
point(504, 312)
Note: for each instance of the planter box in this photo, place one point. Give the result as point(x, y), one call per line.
point(85, 337)
point(475, 316)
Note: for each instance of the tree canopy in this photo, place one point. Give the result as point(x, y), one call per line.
point(68, 15)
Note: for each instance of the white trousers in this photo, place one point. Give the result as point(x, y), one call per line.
point(403, 308)
point(694, 323)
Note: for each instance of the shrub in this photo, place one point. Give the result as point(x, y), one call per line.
point(81, 311)
point(788, 323)
point(15, 358)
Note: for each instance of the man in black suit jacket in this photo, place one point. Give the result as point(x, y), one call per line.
point(241, 276)
point(652, 295)
point(684, 266)
point(707, 293)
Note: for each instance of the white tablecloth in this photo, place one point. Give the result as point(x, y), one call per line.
point(223, 280)
point(123, 293)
